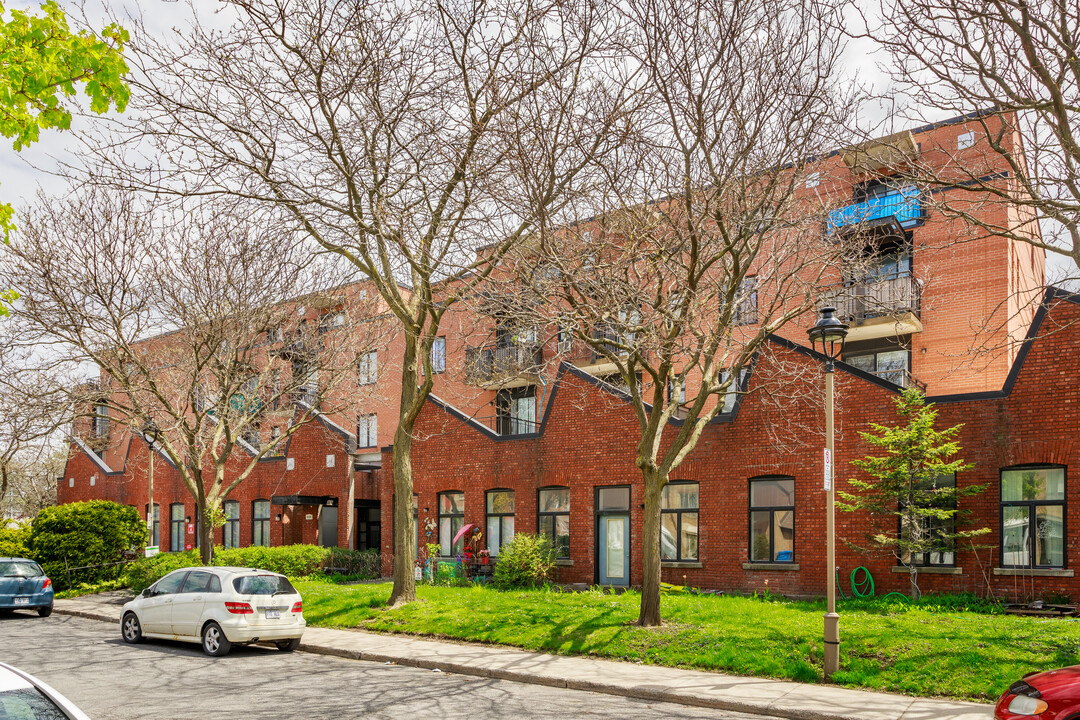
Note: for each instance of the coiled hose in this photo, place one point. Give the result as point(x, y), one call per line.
point(862, 586)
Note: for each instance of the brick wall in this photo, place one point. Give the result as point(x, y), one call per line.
point(589, 437)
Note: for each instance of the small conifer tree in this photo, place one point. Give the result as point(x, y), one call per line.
point(911, 494)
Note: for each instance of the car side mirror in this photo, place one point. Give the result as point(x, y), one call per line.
point(147, 592)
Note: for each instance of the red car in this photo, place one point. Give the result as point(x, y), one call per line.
point(1053, 695)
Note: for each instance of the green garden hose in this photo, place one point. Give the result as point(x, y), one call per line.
point(900, 595)
point(859, 589)
point(838, 588)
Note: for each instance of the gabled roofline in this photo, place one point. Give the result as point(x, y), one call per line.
point(81, 444)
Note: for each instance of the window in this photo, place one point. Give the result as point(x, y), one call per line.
point(746, 305)
point(307, 380)
point(565, 339)
point(232, 524)
point(679, 521)
point(176, 527)
point(367, 368)
point(891, 365)
point(438, 355)
point(101, 420)
point(965, 140)
point(451, 520)
point(674, 399)
point(331, 321)
point(944, 550)
point(1033, 517)
point(367, 431)
point(201, 582)
point(732, 392)
point(156, 532)
point(554, 514)
point(813, 180)
point(515, 411)
point(500, 519)
point(260, 523)
point(772, 519)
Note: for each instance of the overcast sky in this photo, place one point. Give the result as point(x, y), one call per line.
point(22, 174)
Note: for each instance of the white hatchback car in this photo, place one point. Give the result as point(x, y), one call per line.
point(218, 607)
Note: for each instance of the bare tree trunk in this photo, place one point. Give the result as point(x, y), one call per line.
point(913, 577)
point(205, 531)
point(404, 577)
point(650, 551)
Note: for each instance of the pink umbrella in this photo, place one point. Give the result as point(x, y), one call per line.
point(460, 533)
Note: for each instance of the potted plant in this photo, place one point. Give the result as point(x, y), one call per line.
point(485, 556)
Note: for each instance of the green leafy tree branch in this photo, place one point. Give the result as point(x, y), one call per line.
point(911, 494)
point(42, 61)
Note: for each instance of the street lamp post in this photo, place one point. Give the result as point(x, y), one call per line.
point(150, 433)
point(827, 337)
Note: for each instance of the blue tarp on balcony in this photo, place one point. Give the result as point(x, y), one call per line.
point(902, 204)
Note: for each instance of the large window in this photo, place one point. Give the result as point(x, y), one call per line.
point(367, 368)
point(232, 524)
point(260, 523)
point(156, 533)
point(679, 521)
point(176, 527)
point(554, 513)
point(746, 302)
point(937, 530)
point(451, 520)
point(516, 411)
point(438, 355)
point(500, 519)
point(772, 519)
point(1033, 517)
point(367, 431)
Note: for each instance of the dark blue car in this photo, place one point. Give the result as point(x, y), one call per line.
point(24, 586)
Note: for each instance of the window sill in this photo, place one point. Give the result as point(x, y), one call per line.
point(674, 564)
point(770, 566)
point(564, 562)
point(1033, 572)
point(931, 570)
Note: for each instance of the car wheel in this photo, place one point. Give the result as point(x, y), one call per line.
point(130, 629)
point(214, 641)
point(288, 645)
point(45, 611)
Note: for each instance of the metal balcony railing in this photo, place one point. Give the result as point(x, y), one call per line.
point(904, 205)
point(583, 353)
point(859, 302)
point(494, 362)
point(508, 425)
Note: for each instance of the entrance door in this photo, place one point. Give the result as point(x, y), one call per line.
point(614, 550)
point(328, 526)
point(613, 535)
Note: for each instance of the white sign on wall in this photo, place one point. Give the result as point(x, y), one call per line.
point(828, 469)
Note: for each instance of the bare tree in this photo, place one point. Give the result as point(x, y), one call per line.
point(214, 333)
point(1013, 65)
point(419, 141)
point(32, 410)
point(32, 481)
point(675, 297)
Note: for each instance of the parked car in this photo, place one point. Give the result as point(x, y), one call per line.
point(25, 586)
point(218, 607)
point(1053, 695)
point(24, 696)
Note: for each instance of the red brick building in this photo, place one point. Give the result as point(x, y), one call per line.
point(585, 446)
point(935, 289)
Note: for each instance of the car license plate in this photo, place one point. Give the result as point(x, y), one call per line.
point(273, 614)
point(22, 601)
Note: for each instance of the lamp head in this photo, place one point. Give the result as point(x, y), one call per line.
point(828, 334)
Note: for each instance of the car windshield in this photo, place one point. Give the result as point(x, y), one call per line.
point(28, 703)
point(263, 585)
point(16, 568)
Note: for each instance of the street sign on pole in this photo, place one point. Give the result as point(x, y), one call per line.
point(828, 469)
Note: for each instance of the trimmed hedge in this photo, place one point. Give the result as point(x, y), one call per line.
point(78, 534)
point(290, 560)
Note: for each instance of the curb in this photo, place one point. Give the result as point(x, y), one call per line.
point(650, 693)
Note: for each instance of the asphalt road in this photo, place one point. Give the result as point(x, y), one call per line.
point(87, 661)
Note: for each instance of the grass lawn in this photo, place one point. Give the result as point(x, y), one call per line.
point(917, 650)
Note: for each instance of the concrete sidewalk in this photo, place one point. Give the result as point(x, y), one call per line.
point(646, 682)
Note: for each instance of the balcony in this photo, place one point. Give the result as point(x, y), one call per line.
point(893, 212)
point(507, 425)
point(903, 378)
point(585, 354)
point(495, 364)
point(881, 307)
